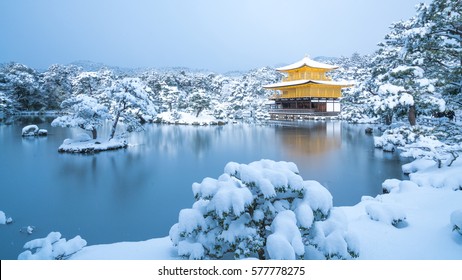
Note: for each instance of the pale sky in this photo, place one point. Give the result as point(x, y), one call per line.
point(218, 35)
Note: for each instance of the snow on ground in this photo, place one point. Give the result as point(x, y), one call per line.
point(187, 118)
point(427, 212)
point(152, 249)
point(426, 233)
point(84, 144)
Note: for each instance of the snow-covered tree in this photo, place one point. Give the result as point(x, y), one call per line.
point(83, 111)
point(128, 101)
point(21, 84)
point(264, 210)
point(8, 106)
point(92, 83)
point(56, 84)
point(199, 101)
point(420, 58)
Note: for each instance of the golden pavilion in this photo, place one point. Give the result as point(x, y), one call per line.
point(306, 90)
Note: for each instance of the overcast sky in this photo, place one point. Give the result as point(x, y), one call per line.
point(218, 35)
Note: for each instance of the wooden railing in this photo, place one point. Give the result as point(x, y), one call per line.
point(301, 112)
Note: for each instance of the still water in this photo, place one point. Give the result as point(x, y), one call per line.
point(136, 194)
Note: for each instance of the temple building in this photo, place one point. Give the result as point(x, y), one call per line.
point(306, 90)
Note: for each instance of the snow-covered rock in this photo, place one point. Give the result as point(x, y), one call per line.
point(86, 145)
point(4, 219)
point(33, 130)
point(389, 185)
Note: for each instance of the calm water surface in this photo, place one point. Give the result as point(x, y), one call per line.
point(136, 194)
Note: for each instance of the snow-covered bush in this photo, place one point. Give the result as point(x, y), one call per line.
point(265, 210)
point(418, 142)
point(456, 221)
point(388, 214)
point(52, 247)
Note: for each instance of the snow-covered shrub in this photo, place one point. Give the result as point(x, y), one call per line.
point(391, 215)
point(389, 185)
point(401, 136)
point(265, 210)
point(418, 142)
point(52, 247)
point(456, 221)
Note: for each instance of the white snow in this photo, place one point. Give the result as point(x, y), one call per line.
point(381, 212)
point(188, 118)
point(195, 251)
point(83, 144)
point(33, 130)
point(306, 61)
point(189, 220)
point(30, 130)
point(52, 247)
point(389, 185)
point(2, 218)
point(318, 197)
point(229, 196)
point(285, 243)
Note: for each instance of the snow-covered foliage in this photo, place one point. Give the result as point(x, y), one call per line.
point(415, 72)
point(222, 96)
point(129, 102)
point(83, 111)
point(21, 85)
point(419, 142)
point(266, 210)
point(52, 247)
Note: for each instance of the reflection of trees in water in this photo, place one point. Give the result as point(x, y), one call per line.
point(311, 138)
point(115, 170)
point(173, 139)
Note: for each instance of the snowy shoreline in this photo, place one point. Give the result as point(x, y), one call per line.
point(426, 209)
point(426, 233)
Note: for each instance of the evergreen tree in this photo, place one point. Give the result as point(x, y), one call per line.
point(199, 101)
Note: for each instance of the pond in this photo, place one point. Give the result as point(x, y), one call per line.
point(136, 193)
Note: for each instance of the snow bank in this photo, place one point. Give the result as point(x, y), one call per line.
point(86, 145)
point(444, 177)
point(33, 130)
point(188, 119)
point(52, 247)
